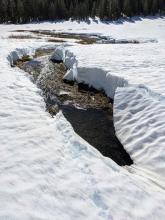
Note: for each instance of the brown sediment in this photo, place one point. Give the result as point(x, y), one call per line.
point(43, 52)
point(84, 39)
point(22, 60)
point(23, 37)
point(81, 39)
point(54, 40)
point(55, 37)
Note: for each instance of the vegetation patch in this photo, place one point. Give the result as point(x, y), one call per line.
point(22, 60)
point(23, 37)
point(54, 40)
point(87, 41)
point(56, 37)
point(79, 37)
point(83, 39)
point(43, 51)
point(19, 31)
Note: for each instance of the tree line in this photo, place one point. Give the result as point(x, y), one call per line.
point(21, 11)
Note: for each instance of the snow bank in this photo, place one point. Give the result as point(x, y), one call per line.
point(95, 77)
point(18, 53)
point(139, 116)
point(59, 54)
point(68, 58)
point(101, 80)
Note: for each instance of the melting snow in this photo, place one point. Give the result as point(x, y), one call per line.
point(46, 170)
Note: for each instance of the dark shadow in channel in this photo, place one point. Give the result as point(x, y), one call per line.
point(96, 127)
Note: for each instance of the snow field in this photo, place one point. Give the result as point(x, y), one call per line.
point(46, 170)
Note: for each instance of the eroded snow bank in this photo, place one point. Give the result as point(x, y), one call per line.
point(95, 77)
point(139, 116)
point(19, 53)
point(51, 171)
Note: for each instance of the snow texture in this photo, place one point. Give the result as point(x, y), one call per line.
point(49, 172)
point(141, 114)
point(68, 58)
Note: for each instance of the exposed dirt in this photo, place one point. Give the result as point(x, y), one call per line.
point(84, 39)
point(53, 40)
point(43, 52)
point(23, 37)
point(59, 37)
point(89, 111)
point(53, 85)
point(22, 60)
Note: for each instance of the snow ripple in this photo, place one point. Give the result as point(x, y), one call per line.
point(141, 114)
point(48, 172)
point(138, 117)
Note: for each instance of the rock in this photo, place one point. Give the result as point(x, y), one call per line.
point(53, 110)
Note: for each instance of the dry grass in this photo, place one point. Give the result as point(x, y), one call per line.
point(86, 41)
point(23, 37)
point(20, 31)
point(42, 52)
point(81, 39)
point(22, 60)
point(56, 37)
point(54, 40)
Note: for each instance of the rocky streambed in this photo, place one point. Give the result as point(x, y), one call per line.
point(88, 110)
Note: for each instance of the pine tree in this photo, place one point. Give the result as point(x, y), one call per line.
point(93, 12)
point(146, 7)
point(3, 11)
point(127, 8)
point(102, 9)
point(155, 7)
point(52, 11)
point(61, 7)
point(19, 11)
point(30, 10)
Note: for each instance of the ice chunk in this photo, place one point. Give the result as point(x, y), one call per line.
point(58, 54)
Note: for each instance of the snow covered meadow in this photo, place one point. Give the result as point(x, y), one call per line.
point(49, 172)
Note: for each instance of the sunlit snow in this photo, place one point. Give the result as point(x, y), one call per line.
point(49, 172)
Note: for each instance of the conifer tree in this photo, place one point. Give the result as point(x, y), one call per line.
point(19, 11)
point(34, 10)
point(127, 10)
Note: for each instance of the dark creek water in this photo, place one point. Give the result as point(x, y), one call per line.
point(88, 110)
